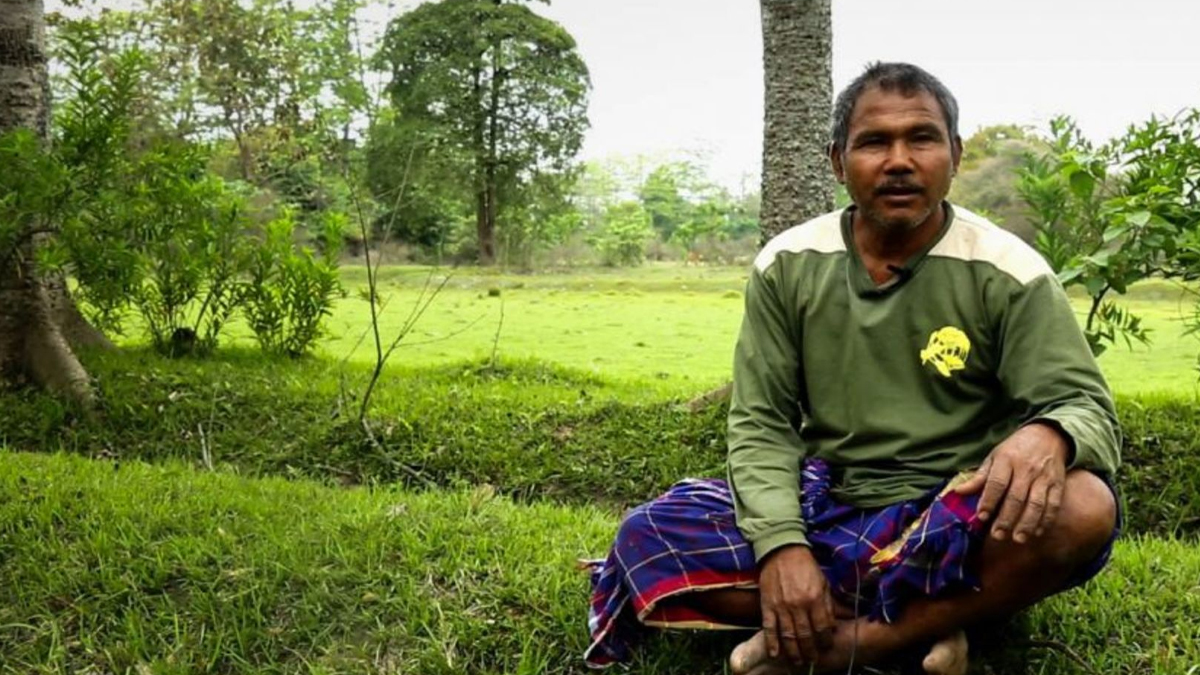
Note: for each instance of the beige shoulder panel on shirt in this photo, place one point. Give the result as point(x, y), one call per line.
point(973, 238)
point(822, 234)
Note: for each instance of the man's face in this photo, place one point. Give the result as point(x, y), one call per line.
point(899, 158)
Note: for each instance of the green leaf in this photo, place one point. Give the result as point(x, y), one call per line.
point(1082, 184)
point(1137, 218)
point(1095, 285)
point(1099, 258)
point(1070, 274)
point(1115, 232)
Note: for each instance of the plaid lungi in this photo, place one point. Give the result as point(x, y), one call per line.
point(687, 540)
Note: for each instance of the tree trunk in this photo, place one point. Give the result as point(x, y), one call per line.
point(494, 142)
point(487, 222)
point(484, 230)
point(75, 327)
point(485, 233)
point(797, 183)
point(33, 346)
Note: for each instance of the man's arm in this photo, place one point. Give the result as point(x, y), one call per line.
point(1047, 366)
point(764, 471)
point(764, 414)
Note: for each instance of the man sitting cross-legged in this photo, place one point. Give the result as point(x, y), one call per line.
point(919, 437)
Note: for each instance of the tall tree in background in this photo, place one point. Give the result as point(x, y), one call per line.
point(797, 46)
point(503, 87)
point(36, 315)
point(797, 183)
point(275, 83)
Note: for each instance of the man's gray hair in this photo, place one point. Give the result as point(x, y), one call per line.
point(902, 77)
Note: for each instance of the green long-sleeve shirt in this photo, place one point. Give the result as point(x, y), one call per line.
point(901, 386)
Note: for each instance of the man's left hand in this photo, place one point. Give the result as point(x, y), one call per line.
point(1022, 482)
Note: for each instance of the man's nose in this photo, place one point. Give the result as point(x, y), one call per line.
point(899, 158)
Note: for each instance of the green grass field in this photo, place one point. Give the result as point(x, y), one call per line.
point(164, 569)
point(671, 326)
point(667, 327)
point(228, 515)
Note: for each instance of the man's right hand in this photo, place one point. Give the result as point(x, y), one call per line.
point(797, 609)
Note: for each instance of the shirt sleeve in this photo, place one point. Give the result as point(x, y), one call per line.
point(1047, 366)
point(764, 415)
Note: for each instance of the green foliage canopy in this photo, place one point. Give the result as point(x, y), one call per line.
point(1113, 214)
point(626, 231)
point(501, 89)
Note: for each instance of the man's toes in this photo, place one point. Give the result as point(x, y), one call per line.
point(948, 656)
point(749, 654)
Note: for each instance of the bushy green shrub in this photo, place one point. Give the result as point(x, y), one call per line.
point(1108, 216)
point(145, 225)
point(291, 288)
point(622, 242)
point(193, 251)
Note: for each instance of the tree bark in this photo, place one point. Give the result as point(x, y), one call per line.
point(33, 310)
point(487, 230)
point(79, 332)
point(485, 235)
point(797, 183)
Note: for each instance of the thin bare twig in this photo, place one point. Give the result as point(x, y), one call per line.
point(419, 308)
point(363, 335)
point(422, 303)
point(333, 469)
point(413, 473)
point(1065, 650)
point(496, 339)
point(381, 357)
point(447, 336)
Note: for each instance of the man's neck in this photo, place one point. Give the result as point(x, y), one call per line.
point(894, 247)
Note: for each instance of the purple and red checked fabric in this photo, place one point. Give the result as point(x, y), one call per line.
point(687, 540)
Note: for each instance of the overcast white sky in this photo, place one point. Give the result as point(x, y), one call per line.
point(687, 74)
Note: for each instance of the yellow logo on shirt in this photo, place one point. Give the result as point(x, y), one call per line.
point(947, 350)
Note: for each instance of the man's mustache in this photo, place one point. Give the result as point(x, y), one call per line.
point(897, 187)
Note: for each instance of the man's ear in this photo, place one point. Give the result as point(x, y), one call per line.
point(835, 161)
point(956, 150)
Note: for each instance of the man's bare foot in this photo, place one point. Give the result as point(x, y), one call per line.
point(746, 656)
point(948, 656)
point(751, 658)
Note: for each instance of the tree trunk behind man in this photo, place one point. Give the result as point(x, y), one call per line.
point(34, 311)
point(797, 183)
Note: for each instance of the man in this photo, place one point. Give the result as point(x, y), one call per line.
point(886, 351)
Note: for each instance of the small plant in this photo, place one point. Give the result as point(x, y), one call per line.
point(192, 252)
point(1091, 227)
point(290, 290)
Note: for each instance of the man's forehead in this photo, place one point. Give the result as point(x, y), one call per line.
point(877, 106)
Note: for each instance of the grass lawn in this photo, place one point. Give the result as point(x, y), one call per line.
point(142, 569)
point(447, 544)
point(670, 326)
point(665, 329)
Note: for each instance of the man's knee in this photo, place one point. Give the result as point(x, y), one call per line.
point(635, 524)
point(1085, 523)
